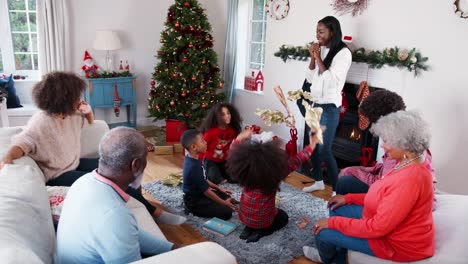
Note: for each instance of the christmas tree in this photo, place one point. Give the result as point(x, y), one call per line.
point(186, 81)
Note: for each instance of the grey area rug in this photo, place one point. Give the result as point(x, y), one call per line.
point(280, 247)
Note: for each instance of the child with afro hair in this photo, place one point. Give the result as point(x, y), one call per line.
point(259, 168)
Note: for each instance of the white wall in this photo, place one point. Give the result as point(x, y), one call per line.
point(139, 24)
point(440, 94)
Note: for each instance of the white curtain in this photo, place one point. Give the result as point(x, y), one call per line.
point(229, 74)
point(53, 36)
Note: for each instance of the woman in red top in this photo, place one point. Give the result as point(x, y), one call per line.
point(260, 168)
point(220, 127)
point(394, 219)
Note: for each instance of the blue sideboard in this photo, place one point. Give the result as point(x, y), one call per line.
point(100, 94)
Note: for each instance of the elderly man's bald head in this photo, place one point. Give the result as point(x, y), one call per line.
point(119, 147)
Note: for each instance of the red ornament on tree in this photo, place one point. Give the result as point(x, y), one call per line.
point(203, 105)
point(194, 78)
point(203, 62)
point(187, 4)
point(175, 75)
point(152, 83)
point(191, 28)
point(172, 103)
point(185, 60)
point(177, 24)
point(220, 85)
point(187, 115)
point(184, 94)
point(190, 45)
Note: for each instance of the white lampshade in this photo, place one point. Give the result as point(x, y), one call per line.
point(106, 40)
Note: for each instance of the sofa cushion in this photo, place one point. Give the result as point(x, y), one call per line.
point(57, 195)
point(5, 137)
point(200, 253)
point(451, 235)
point(26, 222)
point(8, 84)
point(90, 137)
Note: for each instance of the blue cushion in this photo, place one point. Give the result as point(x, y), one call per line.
point(9, 85)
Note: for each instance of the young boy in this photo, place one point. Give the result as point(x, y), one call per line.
point(202, 197)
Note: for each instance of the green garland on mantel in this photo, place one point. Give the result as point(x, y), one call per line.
point(411, 60)
point(106, 74)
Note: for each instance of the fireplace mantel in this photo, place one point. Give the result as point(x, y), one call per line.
point(390, 78)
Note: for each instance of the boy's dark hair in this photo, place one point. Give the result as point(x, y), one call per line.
point(258, 165)
point(58, 92)
point(381, 103)
point(211, 119)
point(336, 44)
point(188, 138)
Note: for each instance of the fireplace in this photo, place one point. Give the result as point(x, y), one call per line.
point(351, 144)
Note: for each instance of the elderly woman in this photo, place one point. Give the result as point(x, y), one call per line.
point(357, 179)
point(394, 219)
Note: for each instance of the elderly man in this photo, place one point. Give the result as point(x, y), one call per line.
point(96, 225)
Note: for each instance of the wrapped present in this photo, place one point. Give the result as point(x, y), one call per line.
point(255, 129)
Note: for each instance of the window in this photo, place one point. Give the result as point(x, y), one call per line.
point(252, 22)
point(257, 35)
point(1, 61)
point(19, 49)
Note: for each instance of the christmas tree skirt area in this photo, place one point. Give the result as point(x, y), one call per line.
point(156, 135)
point(280, 247)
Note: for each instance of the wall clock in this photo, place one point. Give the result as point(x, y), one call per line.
point(461, 8)
point(277, 9)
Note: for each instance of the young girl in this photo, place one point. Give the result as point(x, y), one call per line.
point(220, 127)
point(325, 78)
point(260, 168)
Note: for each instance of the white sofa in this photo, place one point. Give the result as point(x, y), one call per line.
point(451, 238)
point(26, 229)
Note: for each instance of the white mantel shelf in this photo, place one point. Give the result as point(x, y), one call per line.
point(390, 78)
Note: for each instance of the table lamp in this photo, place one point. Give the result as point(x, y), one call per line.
point(107, 40)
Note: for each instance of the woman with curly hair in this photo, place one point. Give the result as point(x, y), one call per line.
point(221, 126)
point(393, 220)
point(260, 168)
point(52, 136)
point(357, 179)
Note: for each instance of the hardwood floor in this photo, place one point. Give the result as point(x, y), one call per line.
point(160, 166)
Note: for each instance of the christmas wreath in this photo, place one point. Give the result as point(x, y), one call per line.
point(354, 7)
point(460, 10)
point(410, 60)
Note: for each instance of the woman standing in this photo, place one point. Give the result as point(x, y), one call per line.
point(326, 75)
